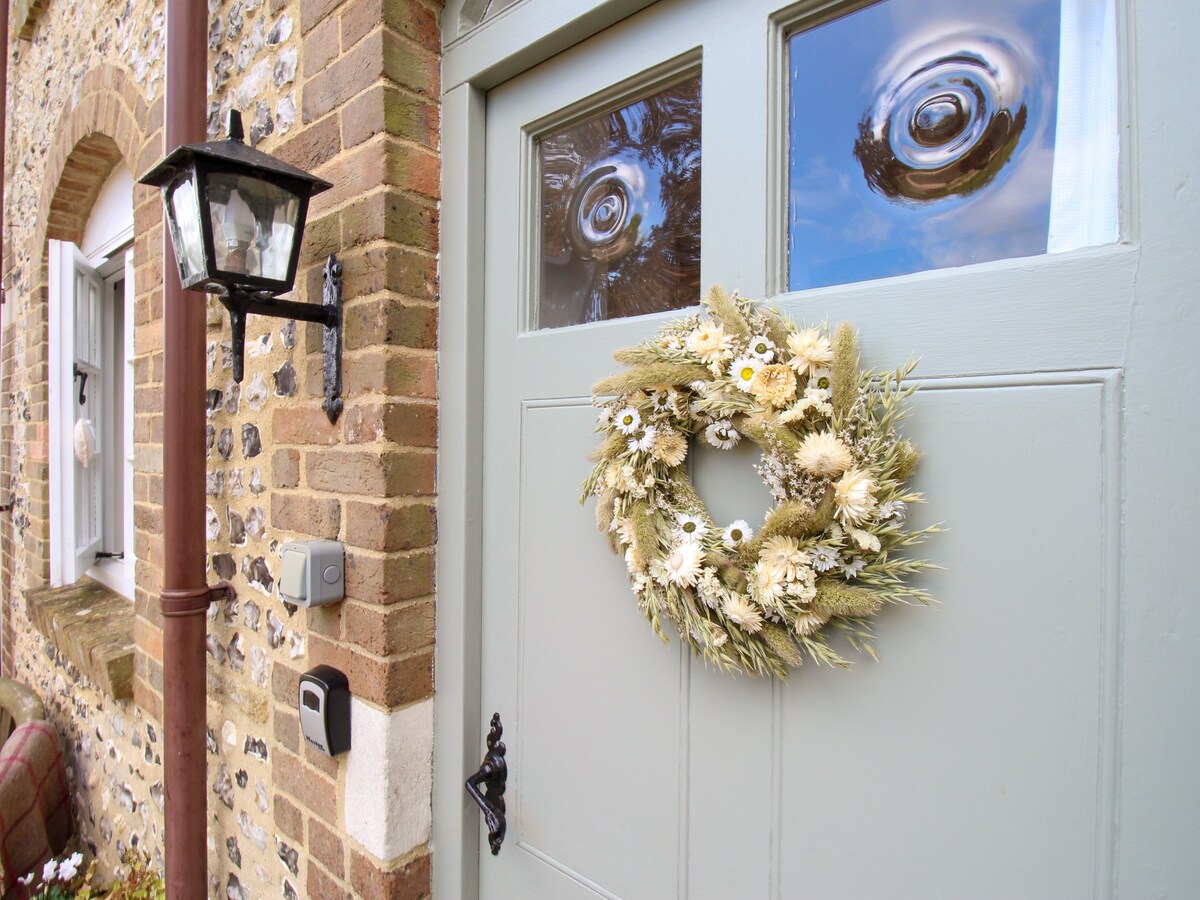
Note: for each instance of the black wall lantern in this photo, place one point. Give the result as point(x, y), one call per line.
point(236, 218)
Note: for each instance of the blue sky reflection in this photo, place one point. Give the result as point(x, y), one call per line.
point(877, 95)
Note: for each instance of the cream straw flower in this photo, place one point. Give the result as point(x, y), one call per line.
point(810, 350)
point(742, 612)
point(774, 385)
point(807, 623)
point(743, 369)
point(682, 565)
point(628, 420)
point(670, 446)
point(822, 453)
point(853, 498)
point(766, 584)
point(782, 554)
point(710, 342)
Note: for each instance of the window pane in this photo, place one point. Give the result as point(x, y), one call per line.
point(620, 211)
point(927, 133)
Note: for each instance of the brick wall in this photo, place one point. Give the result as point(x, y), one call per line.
point(349, 91)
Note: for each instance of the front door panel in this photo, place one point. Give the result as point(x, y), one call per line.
point(967, 762)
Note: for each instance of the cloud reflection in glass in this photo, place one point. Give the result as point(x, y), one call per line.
point(921, 136)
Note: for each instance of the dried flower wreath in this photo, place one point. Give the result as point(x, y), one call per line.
point(826, 554)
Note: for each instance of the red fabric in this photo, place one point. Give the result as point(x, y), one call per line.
point(35, 808)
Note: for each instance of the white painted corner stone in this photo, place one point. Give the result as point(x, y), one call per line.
point(389, 778)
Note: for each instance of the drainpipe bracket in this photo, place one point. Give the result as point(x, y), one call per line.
point(191, 601)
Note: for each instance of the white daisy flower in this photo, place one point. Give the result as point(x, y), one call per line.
point(852, 566)
point(819, 385)
point(660, 401)
point(604, 415)
point(690, 528)
point(628, 420)
point(743, 369)
point(893, 509)
point(722, 434)
point(643, 442)
point(737, 533)
point(742, 612)
point(825, 558)
point(762, 347)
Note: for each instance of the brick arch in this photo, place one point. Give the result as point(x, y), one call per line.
point(101, 129)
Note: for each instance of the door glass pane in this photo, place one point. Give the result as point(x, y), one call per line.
point(620, 211)
point(935, 133)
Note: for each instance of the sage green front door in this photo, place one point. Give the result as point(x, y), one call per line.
point(993, 750)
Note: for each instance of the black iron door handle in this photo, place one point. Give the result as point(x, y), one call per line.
point(492, 774)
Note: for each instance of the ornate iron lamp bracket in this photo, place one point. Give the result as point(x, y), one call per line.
point(242, 303)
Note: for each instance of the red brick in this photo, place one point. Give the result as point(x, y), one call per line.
point(387, 109)
point(386, 321)
point(311, 146)
point(395, 372)
point(302, 425)
point(289, 819)
point(388, 578)
point(389, 682)
point(306, 515)
point(376, 526)
point(321, 885)
point(385, 631)
point(321, 47)
point(287, 730)
point(406, 424)
point(313, 11)
point(341, 81)
point(408, 881)
point(313, 789)
point(285, 468)
point(371, 473)
point(326, 846)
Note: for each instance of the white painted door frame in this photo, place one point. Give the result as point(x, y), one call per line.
point(1159, 629)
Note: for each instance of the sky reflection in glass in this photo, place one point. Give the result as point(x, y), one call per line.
point(921, 136)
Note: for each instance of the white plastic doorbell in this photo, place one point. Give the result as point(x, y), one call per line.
point(314, 572)
point(325, 709)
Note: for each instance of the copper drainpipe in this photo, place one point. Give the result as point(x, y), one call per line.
point(185, 593)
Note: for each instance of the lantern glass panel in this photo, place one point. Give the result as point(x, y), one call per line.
point(253, 225)
point(185, 230)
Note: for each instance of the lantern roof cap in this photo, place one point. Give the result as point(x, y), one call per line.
point(232, 149)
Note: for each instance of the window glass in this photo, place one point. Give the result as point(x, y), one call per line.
point(620, 211)
point(929, 133)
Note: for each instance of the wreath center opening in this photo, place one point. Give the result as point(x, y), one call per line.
point(728, 482)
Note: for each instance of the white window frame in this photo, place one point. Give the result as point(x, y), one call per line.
point(112, 262)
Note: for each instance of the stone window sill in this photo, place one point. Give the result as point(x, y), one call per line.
point(91, 627)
